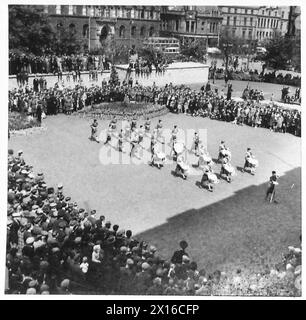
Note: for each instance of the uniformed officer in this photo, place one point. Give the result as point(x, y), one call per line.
point(196, 140)
point(147, 125)
point(271, 189)
point(94, 130)
point(120, 140)
point(108, 134)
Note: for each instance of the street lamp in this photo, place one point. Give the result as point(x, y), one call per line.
point(226, 47)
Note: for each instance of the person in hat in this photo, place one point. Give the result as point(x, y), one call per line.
point(108, 134)
point(196, 142)
point(270, 194)
point(120, 141)
point(178, 254)
point(147, 125)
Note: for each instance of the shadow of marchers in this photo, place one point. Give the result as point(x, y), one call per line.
point(234, 230)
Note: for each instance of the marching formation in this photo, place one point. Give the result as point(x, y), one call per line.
point(133, 134)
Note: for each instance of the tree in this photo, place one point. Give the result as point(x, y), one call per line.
point(114, 78)
point(29, 29)
point(195, 49)
point(281, 52)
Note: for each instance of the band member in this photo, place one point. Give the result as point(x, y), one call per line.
point(153, 144)
point(94, 130)
point(227, 169)
point(134, 140)
point(196, 141)
point(250, 162)
point(113, 123)
point(181, 167)
point(108, 134)
point(159, 128)
point(148, 125)
point(127, 130)
point(140, 134)
point(174, 133)
point(271, 189)
point(222, 147)
point(208, 178)
point(120, 140)
point(133, 124)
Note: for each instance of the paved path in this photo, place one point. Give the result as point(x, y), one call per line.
point(233, 225)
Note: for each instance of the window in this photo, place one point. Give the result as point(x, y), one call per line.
point(187, 26)
point(281, 25)
point(133, 31)
point(122, 32)
point(235, 20)
point(203, 23)
point(245, 21)
point(177, 25)
point(251, 21)
point(84, 11)
point(151, 32)
point(151, 14)
point(275, 14)
point(233, 32)
point(46, 9)
point(143, 31)
point(142, 14)
point(252, 11)
point(72, 29)
point(70, 10)
point(250, 34)
point(269, 13)
point(132, 13)
point(263, 12)
point(192, 26)
point(85, 30)
point(243, 34)
point(267, 34)
point(270, 34)
point(58, 10)
point(283, 14)
point(228, 20)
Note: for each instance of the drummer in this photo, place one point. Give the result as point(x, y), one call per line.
point(222, 147)
point(248, 156)
point(94, 130)
point(271, 189)
point(147, 125)
point(108, 135)
point(134, 140)
point(120, 141)
point(141, 133)
point(196, 141)
point(153, 144)
point(159, 128)
point(205, 178)
point(113, 123)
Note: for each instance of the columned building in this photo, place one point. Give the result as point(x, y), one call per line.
point(254, 24)
point(192, 22)
point(92, 25)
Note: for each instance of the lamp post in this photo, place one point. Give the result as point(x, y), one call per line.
point(226, 47)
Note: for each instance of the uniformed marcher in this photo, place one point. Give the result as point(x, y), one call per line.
point(120, 140)
point(94, 130)
point(270, 194)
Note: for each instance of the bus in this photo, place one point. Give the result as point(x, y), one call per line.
point(164, 44)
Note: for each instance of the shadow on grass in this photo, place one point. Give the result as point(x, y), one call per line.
point(243, 230)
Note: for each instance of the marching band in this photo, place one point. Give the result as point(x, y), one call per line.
point(205, 163)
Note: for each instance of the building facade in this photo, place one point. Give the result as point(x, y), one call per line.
point(92, 25)
point(192, 22)
point(254, 24)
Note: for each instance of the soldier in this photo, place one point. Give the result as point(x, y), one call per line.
point(94, 130)
point(196, 140)
point(271, 189)
point(120, 140)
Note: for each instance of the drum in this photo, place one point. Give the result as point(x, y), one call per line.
point(212, 177)
point(206, 158)
point(253, 162)
point(160, 156)
point(178, 147)
point(228, 168)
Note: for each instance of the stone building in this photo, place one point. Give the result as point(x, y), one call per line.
point(254, 24)
point(191, 22)
point(93, 25)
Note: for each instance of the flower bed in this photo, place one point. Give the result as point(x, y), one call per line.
point(123, 110)
point(20, 121)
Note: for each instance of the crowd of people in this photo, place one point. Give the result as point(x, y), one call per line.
point(180, 99)
point(56, 247)
point(144, 68)
point(50, 63)
point(287, 97)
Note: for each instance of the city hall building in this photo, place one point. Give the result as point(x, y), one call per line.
point(92, 25)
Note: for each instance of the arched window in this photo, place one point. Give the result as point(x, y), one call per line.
point(85, 30)
point(151, 32)
point(133, 31)
point(143, 31)
point(72, 30)
point(122, 32)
